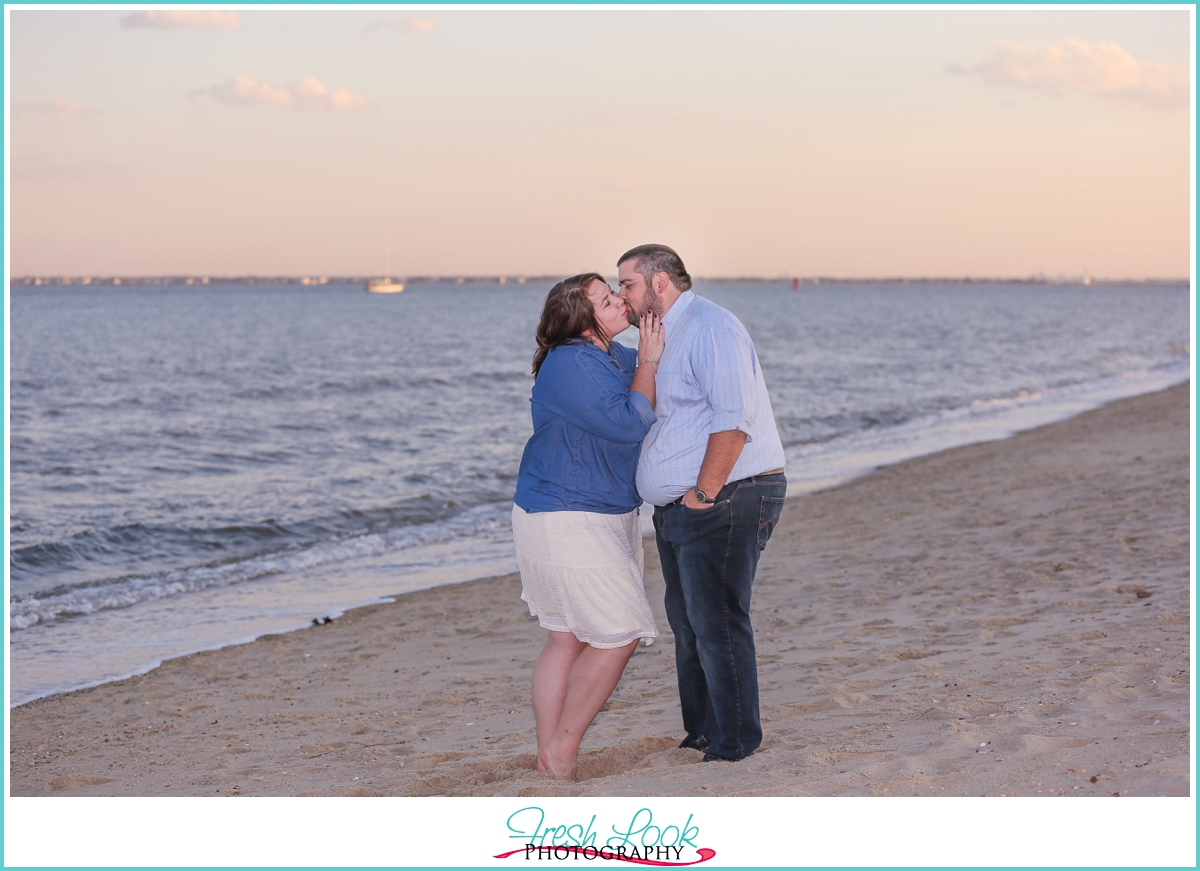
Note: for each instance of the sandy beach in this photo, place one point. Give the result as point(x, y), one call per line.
point(1007, 618)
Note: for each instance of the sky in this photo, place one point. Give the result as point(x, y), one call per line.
point(787, 141)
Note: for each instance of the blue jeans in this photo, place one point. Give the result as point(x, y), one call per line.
point(709, 557)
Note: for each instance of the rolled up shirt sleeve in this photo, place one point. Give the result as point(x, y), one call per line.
point(595, 399)
point(725, 365)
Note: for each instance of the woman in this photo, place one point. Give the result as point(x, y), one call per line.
point(575, 521)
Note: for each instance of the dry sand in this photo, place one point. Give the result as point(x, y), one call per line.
point(1004, 618)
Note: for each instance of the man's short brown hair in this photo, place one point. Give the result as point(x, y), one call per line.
point(653, 259)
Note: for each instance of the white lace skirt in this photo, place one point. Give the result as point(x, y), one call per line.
point(582, 573)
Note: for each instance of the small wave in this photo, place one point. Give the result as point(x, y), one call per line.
point(97, 556)
point(78, 600)
point(832, 461)
point(260, 393)
point(520, 376)
point(133, 539)
point(364, 385)
point(1017, 398)
point(123, 551)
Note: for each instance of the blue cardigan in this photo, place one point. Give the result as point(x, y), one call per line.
point(587, 433)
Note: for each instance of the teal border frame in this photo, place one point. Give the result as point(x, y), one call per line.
point(534, 4)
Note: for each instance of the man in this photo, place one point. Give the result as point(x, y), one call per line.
point(712, 465)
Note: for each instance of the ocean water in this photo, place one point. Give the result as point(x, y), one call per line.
point(192, 467)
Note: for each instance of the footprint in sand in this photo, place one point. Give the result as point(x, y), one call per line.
point(455, 775)
point(73, 782)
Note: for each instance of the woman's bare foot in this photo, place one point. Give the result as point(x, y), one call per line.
point(538, 766)
point(566, 767)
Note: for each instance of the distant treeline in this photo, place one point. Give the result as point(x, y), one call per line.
point(307, 280)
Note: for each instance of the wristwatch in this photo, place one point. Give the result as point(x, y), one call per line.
point(705, 500)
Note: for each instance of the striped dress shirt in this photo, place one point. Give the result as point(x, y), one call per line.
point(709, 380)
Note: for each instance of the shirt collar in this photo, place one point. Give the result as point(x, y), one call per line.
point(676, 310)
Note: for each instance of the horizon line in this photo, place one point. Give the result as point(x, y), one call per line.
point(542, 278)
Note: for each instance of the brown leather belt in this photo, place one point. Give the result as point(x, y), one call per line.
point(679, 501)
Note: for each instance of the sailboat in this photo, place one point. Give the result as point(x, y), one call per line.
point(385, 284)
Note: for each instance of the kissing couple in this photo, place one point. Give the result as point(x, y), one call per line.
point(685, 424)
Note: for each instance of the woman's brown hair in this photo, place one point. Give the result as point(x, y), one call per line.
point(567, 315)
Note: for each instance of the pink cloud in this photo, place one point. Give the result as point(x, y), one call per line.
point(307, 95)
point(183, 19)
point(1100, 68)
point(61, 109)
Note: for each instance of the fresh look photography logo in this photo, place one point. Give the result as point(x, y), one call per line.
point(641, 841)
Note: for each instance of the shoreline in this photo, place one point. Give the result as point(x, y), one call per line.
point(834, 472)
point(427, 695)
point(331, 614)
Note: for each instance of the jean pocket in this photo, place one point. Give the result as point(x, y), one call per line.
point(770, 508)
point(700, 512)
point(684, 525)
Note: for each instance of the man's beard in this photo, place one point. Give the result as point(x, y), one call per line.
point(654, 303)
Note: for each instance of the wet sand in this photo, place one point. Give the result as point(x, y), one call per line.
point(1008, 618)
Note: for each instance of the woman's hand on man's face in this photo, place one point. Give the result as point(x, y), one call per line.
point(651, 339)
